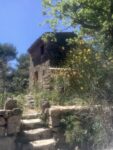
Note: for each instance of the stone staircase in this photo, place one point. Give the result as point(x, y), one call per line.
point(35, 135)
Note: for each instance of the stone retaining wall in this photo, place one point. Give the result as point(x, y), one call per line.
point(56, 113)
point(10, 122)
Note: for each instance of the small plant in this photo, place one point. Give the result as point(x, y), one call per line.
point(51, 96)
point(85, 131)
point(20, 101)
point(1, 100)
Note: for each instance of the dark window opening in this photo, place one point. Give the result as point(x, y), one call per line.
point(43, 73)
point(36, 75)
point(35, 62)
point(42, 50)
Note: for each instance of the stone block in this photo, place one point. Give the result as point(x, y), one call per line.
point(2, 131)
point(13, 125)
point(10, 104)
point(54, 122)
point(7, 143)
point(2, 121)
point(2, 112)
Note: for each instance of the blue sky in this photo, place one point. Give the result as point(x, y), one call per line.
point(19, 23)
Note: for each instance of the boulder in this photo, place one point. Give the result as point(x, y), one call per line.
point(10, 104)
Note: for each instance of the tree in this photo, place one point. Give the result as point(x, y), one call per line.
point(7, 54)
point(21, 76)
point(94, 18)
point(91, 54)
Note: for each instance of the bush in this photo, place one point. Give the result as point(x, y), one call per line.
point(1, 101)
point(87, 73)
point(88, 131)
point(20, 101)
point(51, 96)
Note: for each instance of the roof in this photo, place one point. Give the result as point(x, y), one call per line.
point(57, 37)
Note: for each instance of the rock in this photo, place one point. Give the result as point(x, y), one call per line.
point(13, 125)
point(31, 104)
point(2, 112)
point(54, 121)
point(2, 121)
point(44, 105)
point(17, 111)
point(10, 104)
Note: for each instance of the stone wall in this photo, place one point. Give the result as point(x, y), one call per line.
point(40, 76)
point(56, 113)
point(54, 116)
point(9, 127)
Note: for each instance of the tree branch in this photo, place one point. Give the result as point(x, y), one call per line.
point(87, 25)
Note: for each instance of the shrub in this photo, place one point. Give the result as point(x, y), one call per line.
point(87, 131)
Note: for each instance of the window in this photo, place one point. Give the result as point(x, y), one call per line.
point(42, 50)
point(43, 73)
point(36, 75)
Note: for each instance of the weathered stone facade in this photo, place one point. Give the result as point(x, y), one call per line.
point(46, 54)
point(39, 75)
point(10, 123)
point(56, 113)
point(34, 133)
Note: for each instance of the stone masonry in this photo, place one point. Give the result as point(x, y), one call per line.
point(10, 122)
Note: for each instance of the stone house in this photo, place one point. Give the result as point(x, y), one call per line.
point(47, 52)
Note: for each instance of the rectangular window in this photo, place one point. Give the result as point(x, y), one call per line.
point(43, 73)
point(36, 76)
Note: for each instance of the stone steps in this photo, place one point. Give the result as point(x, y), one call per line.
point(28, 124)
point(31, 116)
point(37, 134)
point(30, 102)
point(34, 135)
point(48, 144)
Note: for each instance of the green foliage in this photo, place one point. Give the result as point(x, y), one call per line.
point(90, 57)
point(85, 131)
point(93, 18)
point(20, 100)
point(85, 74)
point(7, 53)
point(88, 70)
point(51, 96)
point(12, 80)
point(61, 94)
point(21, 74)
point(90, 67)
point(1, 100)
